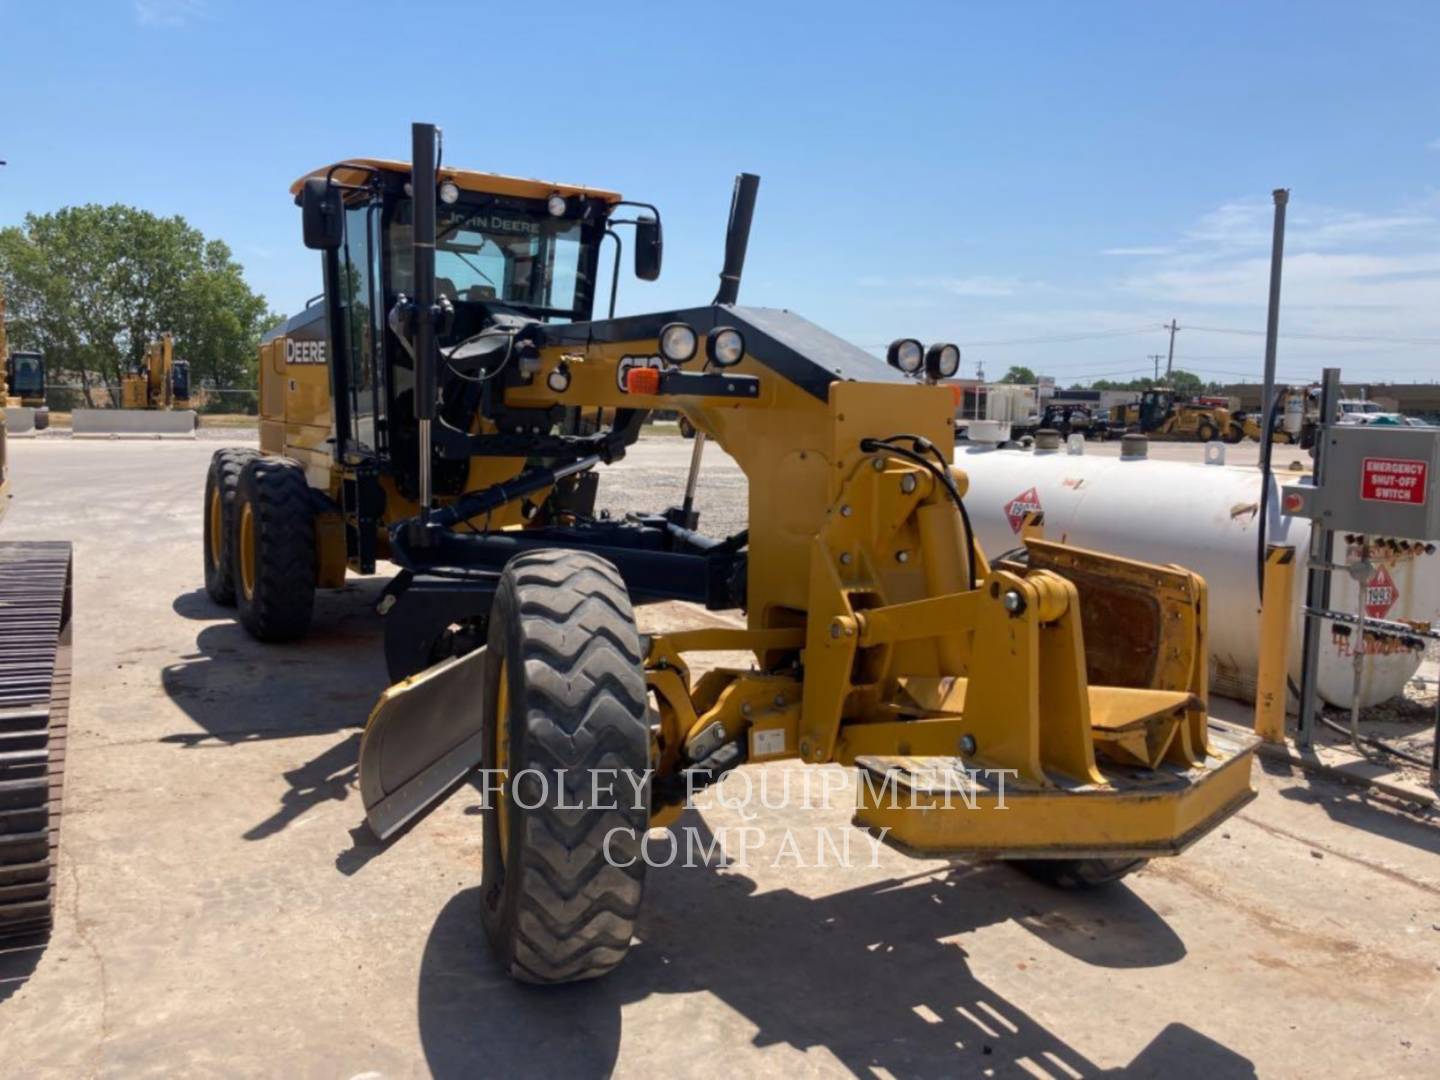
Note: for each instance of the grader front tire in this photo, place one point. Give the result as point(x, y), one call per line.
point(565, 700)
point(274, 544)
point(221, 483)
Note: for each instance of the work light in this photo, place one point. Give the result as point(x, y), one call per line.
point(725, 346)
point(557, 205)
point(678, 342)
point(449, 192)
point(942, 360)
point(906, 354)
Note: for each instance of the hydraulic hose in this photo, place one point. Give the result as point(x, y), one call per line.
point(940, 470)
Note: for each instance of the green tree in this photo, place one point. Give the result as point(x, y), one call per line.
point(1186, 383)
point(1018, 374)
point(89, 286)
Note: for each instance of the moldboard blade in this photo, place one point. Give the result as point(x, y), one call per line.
point(424, 735)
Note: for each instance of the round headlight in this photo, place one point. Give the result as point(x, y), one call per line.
point(678, 342)
point(449, 192)
point(559, 378)
point(557, 205)
point(725, 346)
point(942, 360)
point(907, 354)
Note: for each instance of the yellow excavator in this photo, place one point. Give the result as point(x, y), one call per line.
point(158, 381)
point(154, 400)
point(450, 405)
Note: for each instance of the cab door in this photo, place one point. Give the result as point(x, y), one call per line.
point(362, 303)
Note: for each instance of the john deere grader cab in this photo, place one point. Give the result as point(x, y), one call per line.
point(448, 406)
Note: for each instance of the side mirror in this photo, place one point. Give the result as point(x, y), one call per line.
point(323, 214)
point(649, 246)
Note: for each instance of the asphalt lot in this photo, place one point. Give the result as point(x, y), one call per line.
point(223, 911)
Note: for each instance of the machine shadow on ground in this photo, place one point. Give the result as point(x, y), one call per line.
point(18, 961)
point(237, 690)
point(1354, 807)
point(863, 973)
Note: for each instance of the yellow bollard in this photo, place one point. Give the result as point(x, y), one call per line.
point(1275, 615)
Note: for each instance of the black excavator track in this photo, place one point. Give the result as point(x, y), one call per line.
point(35, 606)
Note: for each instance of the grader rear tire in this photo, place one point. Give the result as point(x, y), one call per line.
point(1206, 432)
point(1078, 873)
point(564, 697)
point(220, 485)
point(274, 544)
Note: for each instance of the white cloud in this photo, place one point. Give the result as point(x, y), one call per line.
point(1155, 249)
point(169, 12)
point(1310, 280)
point(1433, 144)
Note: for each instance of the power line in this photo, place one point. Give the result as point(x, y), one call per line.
point(1360, 338)
point(1049, 339)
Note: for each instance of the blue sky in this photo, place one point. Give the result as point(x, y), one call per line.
point(1044, 183)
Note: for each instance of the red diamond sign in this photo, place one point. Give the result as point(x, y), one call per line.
point(1027, 502)
point(1380, 594)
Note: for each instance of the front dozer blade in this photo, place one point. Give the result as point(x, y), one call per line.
point(424, 735)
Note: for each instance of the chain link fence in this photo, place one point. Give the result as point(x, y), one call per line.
point(231, 401)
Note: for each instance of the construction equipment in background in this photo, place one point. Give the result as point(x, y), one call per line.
point(1162, 414)
point(24, 391)
point(35, 609)
point(1293, 417)
point(22, 396)
point(448, 406)
point(158, 381)
point(154, 399)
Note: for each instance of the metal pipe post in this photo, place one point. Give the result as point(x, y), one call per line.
point(1272, 325)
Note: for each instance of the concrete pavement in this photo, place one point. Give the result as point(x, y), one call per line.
point(224, 912)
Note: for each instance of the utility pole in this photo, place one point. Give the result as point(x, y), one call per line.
point(1157, 357)
point(1172, 326)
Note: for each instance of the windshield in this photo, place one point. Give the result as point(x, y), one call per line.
point(1360, 407)
point(27, 371)
point(531, 261)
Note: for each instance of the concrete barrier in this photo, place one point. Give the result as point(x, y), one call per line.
point(132, 424)
point(19, 421)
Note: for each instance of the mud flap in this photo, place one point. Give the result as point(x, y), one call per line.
point(423, 736)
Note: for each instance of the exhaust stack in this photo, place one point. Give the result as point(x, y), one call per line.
point(737, 237)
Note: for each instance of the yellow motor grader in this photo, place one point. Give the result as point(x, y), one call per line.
point(449, 404)
point(1160, 414)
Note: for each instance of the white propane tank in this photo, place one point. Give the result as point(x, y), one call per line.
point(1206, 518)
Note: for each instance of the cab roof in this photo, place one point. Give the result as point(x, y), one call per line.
point(466, 179)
